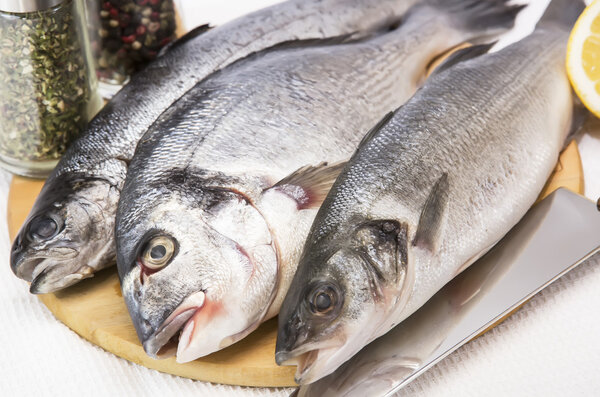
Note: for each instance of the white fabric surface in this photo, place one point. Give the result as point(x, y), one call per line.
point(550, 347)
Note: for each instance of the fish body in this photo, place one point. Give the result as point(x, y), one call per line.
point(69, 233)
point(425, 196)
point(223, 188)
point(397, 355)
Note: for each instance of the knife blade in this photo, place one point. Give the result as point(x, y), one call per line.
point(517, 268)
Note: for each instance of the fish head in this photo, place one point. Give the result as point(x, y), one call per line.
point(347, 285)
point(201, 275)
point(68, 235)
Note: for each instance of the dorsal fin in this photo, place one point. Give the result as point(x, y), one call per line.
point(309, 185)
point(464, 54)
point(380, 124)
point(328, 41)
point(354, 37)
point(432, 215)
point(197, 31)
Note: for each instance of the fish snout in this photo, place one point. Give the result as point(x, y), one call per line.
point(159, 331)
point(17, 263)
point(32, 239)
point(290, 335)
point(133, 295)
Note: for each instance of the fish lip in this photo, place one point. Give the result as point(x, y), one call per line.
point(157, 344)
point(304, 361)
point(42, 285)
point(307, 362)
point(25, 269)
point(305, 358)
point(28, 268)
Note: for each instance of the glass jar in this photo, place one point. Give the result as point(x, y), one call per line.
point(125, 35)
point(48, 89)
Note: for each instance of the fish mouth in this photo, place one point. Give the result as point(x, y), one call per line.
point(309, 367)
point(164, 341)
point(303, 362)
point(28, 267)
point(49, 276)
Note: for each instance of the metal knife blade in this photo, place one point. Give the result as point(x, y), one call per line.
point(555, 236)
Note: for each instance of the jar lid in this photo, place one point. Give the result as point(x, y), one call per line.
point(21, 6)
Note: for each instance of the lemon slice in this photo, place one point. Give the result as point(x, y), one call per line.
point(583, 57)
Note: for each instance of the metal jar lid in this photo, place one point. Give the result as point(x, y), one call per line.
point(21, 6)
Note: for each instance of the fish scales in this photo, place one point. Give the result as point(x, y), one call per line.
point(204, 177)
point(495, 185)
point(474, 146)
point(79, 199)
point(164, 81)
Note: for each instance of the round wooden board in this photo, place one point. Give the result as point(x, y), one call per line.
point(95, 309)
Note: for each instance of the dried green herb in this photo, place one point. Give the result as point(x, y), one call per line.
point(45, 88)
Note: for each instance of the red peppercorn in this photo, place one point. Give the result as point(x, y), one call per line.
point(154, 16)
point(154, 2)
point(128, 39)
point(140, 30)
point(107, 5)
point(114, 12)
point(142, 2)
point(124, 20)
point(165, 41)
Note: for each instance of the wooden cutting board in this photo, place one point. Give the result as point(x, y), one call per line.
point(94, 308)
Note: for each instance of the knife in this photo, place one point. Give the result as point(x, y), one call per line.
point(517, 268)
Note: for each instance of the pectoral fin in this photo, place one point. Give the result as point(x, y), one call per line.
point(309, 185)
point(432, 215)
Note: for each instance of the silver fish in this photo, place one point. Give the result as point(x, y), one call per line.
point(519, 266)
point(427, 194)
point(69, 233)
point(207, 238)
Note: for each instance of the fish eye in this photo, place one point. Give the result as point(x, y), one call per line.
point(43, 228)
point(323, 299)
point(158, 252)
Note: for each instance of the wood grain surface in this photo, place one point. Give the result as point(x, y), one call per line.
point(94, 308)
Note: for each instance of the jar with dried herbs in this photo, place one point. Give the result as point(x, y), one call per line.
point(125, 35)
point(48, 89)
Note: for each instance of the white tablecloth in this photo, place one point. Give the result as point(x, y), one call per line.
point(550, 347)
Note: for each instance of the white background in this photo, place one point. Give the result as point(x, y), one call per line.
point(550, 347)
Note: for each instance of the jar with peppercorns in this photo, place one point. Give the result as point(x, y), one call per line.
point(125, 35)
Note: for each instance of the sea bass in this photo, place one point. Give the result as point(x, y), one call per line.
point(69, 233)
point(223, 188)
point(427, 193)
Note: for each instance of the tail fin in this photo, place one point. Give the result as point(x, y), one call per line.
point(486, 16)
point(563, 13)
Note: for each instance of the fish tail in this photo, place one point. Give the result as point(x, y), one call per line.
point(562, 13)
point(478, 17)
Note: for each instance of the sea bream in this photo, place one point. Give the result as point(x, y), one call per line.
point(69, 233)
point(427, 193)
point(223, 188)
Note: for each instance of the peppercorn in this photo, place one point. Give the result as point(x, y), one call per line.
point(148, 24)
